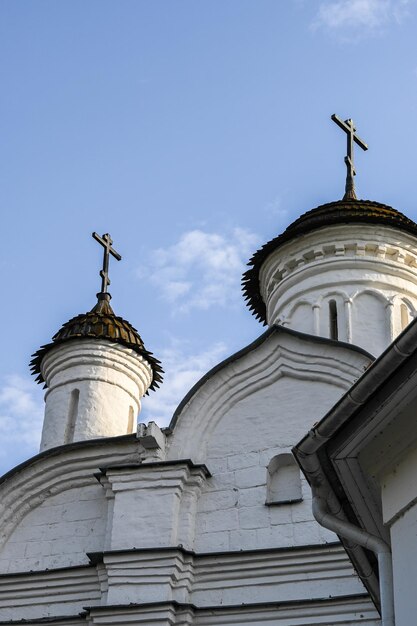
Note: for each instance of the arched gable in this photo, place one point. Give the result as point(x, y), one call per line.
point(55, 497)
point(257, 378)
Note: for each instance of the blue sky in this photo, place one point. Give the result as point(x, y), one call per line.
point(193, 131)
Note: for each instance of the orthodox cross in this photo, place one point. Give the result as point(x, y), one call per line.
point(106, 241)
point(350, 131)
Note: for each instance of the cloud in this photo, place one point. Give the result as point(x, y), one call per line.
point(22, 406)
point(202, 269)
point(355, 18)
point(21, 415)
point(182, 370)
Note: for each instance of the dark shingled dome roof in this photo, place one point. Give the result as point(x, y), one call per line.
point(99, 323)
point(341, 212)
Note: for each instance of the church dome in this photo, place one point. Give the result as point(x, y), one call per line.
point(99, 323)
point(346, 211)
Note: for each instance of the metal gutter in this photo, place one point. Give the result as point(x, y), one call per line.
point(326, 507)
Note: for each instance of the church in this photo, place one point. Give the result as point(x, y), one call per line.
point(249, 508)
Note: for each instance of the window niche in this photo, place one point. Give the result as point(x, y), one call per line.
point(405, 316)
point(333, 321)
point(130, 420)
point(72, 416)
point(283, 480)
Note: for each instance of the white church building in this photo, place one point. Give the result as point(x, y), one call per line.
point(210, 521)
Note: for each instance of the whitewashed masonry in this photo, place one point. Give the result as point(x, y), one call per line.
point(208, 521)
point(351, 282)
point(175, 527)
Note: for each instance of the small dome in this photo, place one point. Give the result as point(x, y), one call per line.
point(349, 211)
point(99, 323)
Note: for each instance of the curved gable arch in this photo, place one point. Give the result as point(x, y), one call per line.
point(371, 323)
point(333, 293)
point(301, 316)
point(411, 306)
point(403, 312)
point(54, 472)
point(302, 302)
point(279, 353)
point(400, 299)
point(371, 292)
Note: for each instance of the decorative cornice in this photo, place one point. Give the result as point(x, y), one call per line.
point(348, 211)
point(191, 576)
point(317, 254)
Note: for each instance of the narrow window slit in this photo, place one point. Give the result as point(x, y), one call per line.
point(72, 416)
point(404, 316)
point(130, 420)
point(334, 331)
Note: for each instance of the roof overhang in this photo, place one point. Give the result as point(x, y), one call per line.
point(349, 450)
point(349, 211)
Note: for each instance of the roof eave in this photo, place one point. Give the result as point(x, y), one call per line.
point(315, 219)
point(313, 452)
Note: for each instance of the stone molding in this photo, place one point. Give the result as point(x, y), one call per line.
point(55, 472)
point(347, 261)
point(164, 494)
point(280, 354)
point(151, 579)
point(324, 611)
point(96, 355)
point(347, 241)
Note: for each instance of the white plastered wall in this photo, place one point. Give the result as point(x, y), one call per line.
point(93, 390)
point(368, 271)
point(250, 410)
point(162, 521)
point(399, 500)
point(53, 511)
point(247, 413)
point(59, 532)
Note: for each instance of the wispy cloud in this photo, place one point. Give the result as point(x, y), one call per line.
point(183, 368)
point(357, 18)
point(21, 415)
point(202, 269)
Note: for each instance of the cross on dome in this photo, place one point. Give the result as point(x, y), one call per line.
point(106, 241)
point(350, 131)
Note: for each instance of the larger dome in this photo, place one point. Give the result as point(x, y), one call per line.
point(99, 323)
point(347, 211)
